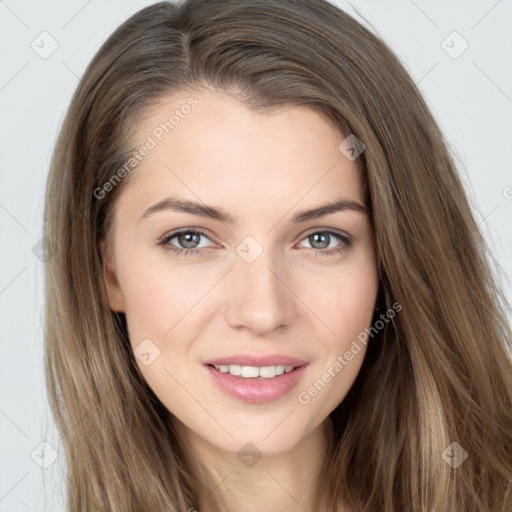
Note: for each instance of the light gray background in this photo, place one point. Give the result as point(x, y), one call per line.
point(470, 95)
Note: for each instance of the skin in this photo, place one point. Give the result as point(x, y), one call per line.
point(263, 169)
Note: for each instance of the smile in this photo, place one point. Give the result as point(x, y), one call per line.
point(255, 384)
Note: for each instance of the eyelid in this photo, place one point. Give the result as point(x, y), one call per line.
point(339, 232)
point(173, 233)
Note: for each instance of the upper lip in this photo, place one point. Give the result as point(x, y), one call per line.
point(257, 360)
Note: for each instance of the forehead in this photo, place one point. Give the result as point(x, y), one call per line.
point(212, 146)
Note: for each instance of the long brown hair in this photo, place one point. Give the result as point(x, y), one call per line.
point(438, 374)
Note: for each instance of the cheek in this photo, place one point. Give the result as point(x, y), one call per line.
point(157, 302)
point(344, 300)
point(346, 306)
point(355, 312)
point(157, 297)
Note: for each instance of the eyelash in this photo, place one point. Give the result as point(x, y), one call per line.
point(164, 242)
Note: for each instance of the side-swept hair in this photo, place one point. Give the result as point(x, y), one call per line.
point(440, 373)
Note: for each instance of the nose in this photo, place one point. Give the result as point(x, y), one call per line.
point(262, 300)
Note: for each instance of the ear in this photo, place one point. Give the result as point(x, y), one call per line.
point(115, 295)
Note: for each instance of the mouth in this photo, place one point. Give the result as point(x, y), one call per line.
point(256, 384)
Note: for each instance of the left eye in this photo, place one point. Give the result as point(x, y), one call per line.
point(323, 238)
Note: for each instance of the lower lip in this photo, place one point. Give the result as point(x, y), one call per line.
point(256, 390)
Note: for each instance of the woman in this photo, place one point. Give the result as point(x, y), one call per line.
point(269, 291)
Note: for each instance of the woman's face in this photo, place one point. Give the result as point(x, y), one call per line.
point(216, 262)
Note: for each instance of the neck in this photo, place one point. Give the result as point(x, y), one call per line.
point(285, 481)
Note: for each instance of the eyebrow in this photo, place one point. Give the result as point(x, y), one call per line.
point(203, 210)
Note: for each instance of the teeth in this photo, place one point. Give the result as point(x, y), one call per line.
point(267, 372)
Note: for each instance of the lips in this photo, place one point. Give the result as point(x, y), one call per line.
point(256, 390)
